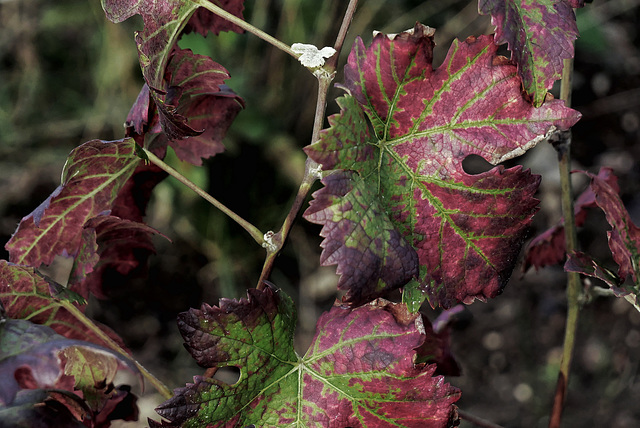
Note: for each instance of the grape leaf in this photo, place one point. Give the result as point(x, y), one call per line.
point(373, 251)
point(539, 34)
point(92, 177)
point(210, 106)
point(548, 248)
point(164, 22)
point(33, 356)
point(43, 408)
point(109, 244)
point(466, 229)
point(624, 240)
point(359, 370)
point(26, 295)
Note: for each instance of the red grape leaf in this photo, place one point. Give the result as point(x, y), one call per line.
point(540, 35)
point(164, 22)
point(33, 356)
point(624, 240)
point(111, 243)
point(373, 258)
point(45, 408)
point(548, 248)
point(26, 295)
point(92, 177)
point(466, 229)
point(203, 98)
point(359, 370)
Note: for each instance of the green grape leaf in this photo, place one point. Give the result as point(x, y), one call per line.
point(539, 34)
point(405, 129)
point(359, 370)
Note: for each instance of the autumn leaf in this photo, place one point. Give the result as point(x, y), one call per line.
point(200, 95)
point(35, 357)
point(548, 248)
point(164, 22)
point(539, 34)
point(360, 239)
point(91, 180)
point(624, 241)
point(405, 129)
point(109, 244)
point(26, 295)
point(359, 370)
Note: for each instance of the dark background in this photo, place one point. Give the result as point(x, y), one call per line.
point(67, 75)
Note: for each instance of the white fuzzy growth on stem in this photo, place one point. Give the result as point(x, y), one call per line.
point(311, 56)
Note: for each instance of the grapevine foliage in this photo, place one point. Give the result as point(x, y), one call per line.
point(400, 138)
point(539, 34)
point(359, 371)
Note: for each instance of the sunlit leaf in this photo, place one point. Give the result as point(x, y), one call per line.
point(418, 125)
point(359, 370)
point(539, 34)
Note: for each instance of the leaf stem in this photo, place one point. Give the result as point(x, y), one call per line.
point(80, 316)
point(246, 26)
point(563, 148)
point(255, 233)
point(477, 421)
point(311, 169)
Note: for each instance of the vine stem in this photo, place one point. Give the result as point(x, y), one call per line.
point(477, 421)
point(563, 148)
point(247, 27)
point(312, 170)
point(255, 233)
point(80, 316)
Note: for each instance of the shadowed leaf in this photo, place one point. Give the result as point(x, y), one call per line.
point(548, 248)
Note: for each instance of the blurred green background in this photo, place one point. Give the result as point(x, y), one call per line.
point(67, 75)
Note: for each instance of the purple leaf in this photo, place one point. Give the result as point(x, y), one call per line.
point(360, 370)
point(92, 177)
point(466, 229)
point(539, 34)
point(203, 98)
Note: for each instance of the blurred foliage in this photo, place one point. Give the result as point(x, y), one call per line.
point(67, 75)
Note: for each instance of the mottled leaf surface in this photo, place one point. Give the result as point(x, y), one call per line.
point(26, 295)
point(360, 238)
point(418, 125)
point(548, 248)
point(359, 370)
point(92, 177)
point(539, 34)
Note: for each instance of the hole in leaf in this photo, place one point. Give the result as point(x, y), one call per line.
point(229, 374)
point(474, 164)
